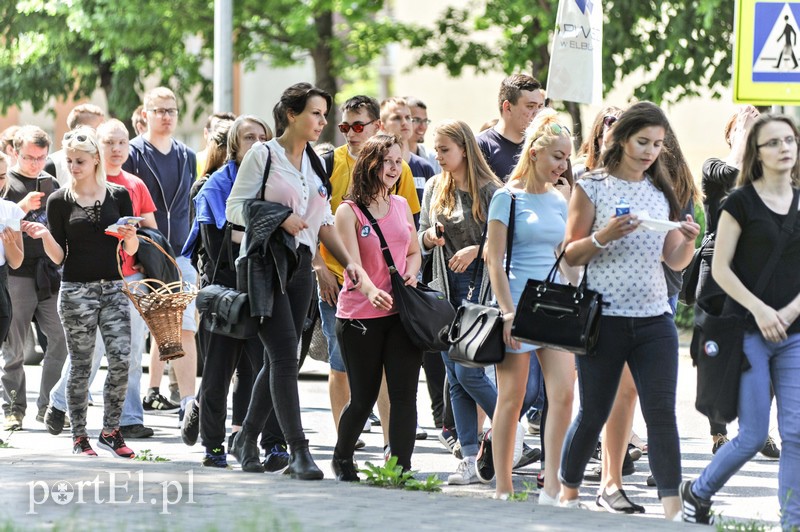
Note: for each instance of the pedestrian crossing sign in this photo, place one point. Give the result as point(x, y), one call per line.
point(767, 52)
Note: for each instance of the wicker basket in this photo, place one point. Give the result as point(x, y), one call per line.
point(161, 305)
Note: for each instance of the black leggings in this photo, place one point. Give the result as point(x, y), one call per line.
point(278, 376)
point(368, 348)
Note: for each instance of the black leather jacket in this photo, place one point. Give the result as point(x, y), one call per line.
point(270, 257)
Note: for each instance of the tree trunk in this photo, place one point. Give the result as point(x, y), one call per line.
point(120, 90)
point(574, 110)
point(323, 70)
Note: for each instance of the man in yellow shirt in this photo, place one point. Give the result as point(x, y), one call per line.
point(360, 121)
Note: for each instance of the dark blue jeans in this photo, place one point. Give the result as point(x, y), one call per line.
point(650, 347)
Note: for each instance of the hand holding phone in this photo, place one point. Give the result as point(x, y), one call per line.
point(439, 230)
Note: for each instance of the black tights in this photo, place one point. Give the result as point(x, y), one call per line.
point(278, 376)
point(369, 347)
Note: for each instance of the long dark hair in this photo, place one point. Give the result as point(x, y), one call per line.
point(751, 166)
point(367, 183)
point(294, 99)
point(633, 120)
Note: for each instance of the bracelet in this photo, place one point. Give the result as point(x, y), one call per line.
point(597, 243)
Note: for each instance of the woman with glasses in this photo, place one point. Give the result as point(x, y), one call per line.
point(540, 218)
point(11, 249)
point(624, 265)
point(281, 235)
point(455, 206)
point(748, 230)
point(588, 156)
point(83, 218)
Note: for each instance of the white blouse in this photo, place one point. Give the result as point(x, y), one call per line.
point(10, 213)
point(302, 190)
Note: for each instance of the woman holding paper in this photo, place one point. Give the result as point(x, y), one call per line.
point(11, 251)
point(83, 218)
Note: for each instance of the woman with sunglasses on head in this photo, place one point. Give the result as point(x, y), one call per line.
point(749, 229)
point(371, 336)
point(281, 234)
point(79, 215)
point(624, 265)
point(539, 222)
point(588, 156)
point(455, 204)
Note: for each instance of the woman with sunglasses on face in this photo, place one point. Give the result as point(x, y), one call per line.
point(540, 218)
point(371, 336)
point(454, 210)
point(748, 230)
point(281, 234)
point(79, 215)
point(11, 250)
point(624, 265)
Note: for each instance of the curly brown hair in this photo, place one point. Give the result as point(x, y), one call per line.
point(367, 183)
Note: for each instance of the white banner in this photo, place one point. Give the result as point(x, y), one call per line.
point(575, 73)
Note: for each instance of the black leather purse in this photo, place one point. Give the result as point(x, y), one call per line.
point(691, 274)
point(561, 316)
point(476, 334)
point(224, 310)
point(425, 313)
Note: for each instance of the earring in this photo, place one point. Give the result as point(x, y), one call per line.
point(534, 158)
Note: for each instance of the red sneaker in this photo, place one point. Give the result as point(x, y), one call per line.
point(83, 447)
point(115, 444)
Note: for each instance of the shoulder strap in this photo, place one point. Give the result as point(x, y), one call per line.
point(328, 158)
point(787, 229)
point(227, 245)
point(509, 245)
point(387, 255)
point(266, 171)
point(316, 164)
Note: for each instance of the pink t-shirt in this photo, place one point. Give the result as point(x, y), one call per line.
point(142, 204)
point(353, 305)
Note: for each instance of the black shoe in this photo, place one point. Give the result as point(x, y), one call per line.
point(484, 463)
point(634, 452)
point(695, 509)
point(374, 420)
point(651, 481)
point(719, 441)
point(360, 444)
point(155, 402)
point(190, 428)
point(136, 432)
point(628, 468)
point(770, 449)
point(618, 503)
point(54, 420)
point(529, 456)
point(246, 452)
point(345, 470)
point(594, 474)
point(540, 480)
point(301, 464)
point(276, 459)
point(215, 458)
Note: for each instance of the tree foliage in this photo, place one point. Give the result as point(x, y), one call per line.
point(69, 48)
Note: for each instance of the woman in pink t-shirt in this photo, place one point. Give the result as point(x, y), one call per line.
point(368, 327)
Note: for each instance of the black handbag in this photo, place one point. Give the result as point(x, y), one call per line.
point(561, 316)
point(691, 274)
point(425, 313)
point(224, 310)
point(717, 340)
point(476, 334)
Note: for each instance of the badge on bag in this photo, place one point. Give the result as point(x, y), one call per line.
point(365, 231)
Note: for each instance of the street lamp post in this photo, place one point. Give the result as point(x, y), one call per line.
point(223, 55)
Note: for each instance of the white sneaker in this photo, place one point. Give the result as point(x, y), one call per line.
point(573, 503)
point(367, 426)
point(465, 473)
point(518, 441)
point(547, 500)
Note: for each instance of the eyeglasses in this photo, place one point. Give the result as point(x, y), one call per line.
point(160, 112)
point(775, 143)
point(29, 159)
point(357, 127)
point(609, 120)
point(420, 121)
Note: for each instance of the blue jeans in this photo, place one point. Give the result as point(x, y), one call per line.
point(468, 386)
point(650, 347)
point(327, 315)
point(779, 363)
point(132, 411)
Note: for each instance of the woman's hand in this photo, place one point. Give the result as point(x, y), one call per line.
point(463, 258)
point(689, 229)
point(34, 230)
point(328, 286)
point(788, 315)
point(430, 239)
point(508, 320)
point(410, 280)
point(293, 224)
point(618, 227)
point(771, 324)
point(355, 273)
point(8, 236)
point(380, 299)
point(127, 232)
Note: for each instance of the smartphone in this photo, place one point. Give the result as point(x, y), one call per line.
point(439, 230)
point(44, 184)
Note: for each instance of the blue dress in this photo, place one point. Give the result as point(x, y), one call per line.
point(539, 225)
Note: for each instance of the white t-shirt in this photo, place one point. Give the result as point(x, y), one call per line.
point(8, 211)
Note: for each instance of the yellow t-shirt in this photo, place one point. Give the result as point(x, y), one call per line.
point(341, 178)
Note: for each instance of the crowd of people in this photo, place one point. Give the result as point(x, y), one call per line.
point(310, 229)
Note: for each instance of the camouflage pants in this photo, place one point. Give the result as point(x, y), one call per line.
point(83, 308)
